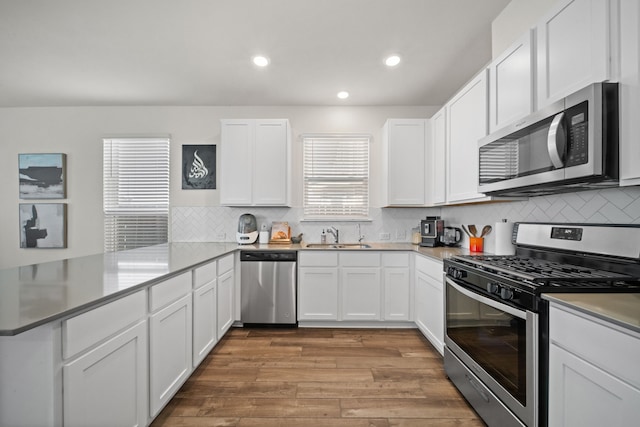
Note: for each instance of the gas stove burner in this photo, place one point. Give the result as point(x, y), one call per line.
point(540, 270)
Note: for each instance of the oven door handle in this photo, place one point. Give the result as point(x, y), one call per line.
point(497, 305)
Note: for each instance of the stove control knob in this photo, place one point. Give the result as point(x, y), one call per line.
point(493, 288)
point(455, 273)
point(506, 294)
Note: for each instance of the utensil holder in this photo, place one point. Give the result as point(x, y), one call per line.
point(476, 244)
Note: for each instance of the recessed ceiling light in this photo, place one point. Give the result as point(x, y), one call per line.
point(343, 94)
point(261, 61)
point(392, 61)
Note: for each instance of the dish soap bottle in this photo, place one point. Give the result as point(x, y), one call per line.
point(323, 237)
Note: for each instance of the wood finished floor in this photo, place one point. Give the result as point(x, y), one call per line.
point(320, 377)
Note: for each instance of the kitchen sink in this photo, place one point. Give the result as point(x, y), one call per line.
point(338, 246)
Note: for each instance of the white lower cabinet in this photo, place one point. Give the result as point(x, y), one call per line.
point(204, 321)
point(318, 286)
point(318, 293)
point(170, 358)
point(354, 286)
point(225, 302)
point(361, 287)
point(108, 385)
point(429, 300)
point(397, 289)
point(593, 375)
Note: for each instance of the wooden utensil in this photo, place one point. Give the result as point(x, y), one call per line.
point(466, 231)
point(485, 230)
point(473, 230)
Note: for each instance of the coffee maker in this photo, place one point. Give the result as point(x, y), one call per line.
point(431, 231)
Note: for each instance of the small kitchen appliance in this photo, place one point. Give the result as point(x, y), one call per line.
point(569, 145)
point(451, 236)
point(497, 320)
point(431, 231)
point(247, 229)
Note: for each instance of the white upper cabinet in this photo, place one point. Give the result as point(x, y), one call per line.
point(403, 165)
point(437, 194)
point(466, 124)
point(629, 92)
point(511, 84)
point(573, 48)
point(255, 166)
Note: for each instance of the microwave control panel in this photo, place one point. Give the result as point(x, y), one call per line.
point(577, 121)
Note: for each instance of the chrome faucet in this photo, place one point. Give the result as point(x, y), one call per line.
point(335, 233)
point(360, 235)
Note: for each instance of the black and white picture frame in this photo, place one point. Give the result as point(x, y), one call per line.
point(198, 167)
point(42, 175)
point(43, 225)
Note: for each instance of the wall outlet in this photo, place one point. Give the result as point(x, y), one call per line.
point(385, 236)
point(220, 237)
point(401, 234)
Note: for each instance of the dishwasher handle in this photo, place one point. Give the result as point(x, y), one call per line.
point(276, 256)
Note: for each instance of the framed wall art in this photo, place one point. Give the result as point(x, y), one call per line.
point(43, 225)
point(42, 176)
point(198, 167)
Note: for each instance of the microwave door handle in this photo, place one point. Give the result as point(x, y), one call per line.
point(556, 141)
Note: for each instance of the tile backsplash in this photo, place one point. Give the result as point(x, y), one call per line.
point(219, 223)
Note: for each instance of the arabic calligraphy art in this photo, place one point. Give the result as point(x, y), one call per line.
point(198, 167)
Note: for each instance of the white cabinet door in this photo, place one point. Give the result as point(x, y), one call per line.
point(573, 48)
point(170, 360)
point(271, 167)
point(317, 293)
point(403, 162)
point(108, 385)
point(255, 162)
point(204, 321)
point(236, 162)
point(467, 123)
point(360, 293)
point(429, 309)
point(226, 290)
point(438, 159)
point(629, 92)
point(511, 84)
point(581, 394)
point(397, 294)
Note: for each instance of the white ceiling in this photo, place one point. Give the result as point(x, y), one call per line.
point(198, 52)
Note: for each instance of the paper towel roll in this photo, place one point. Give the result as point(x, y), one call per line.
point(503, 238)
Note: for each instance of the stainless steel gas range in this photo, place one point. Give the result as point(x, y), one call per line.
point(496, 322)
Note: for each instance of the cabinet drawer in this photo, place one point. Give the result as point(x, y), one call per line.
point(591, 339)
point(318, 259)
point(87, 329)
point(205, 274)
point(170, 290)
point(393, 259)
point(429, 266)
point(225, 264)
point(360, 259)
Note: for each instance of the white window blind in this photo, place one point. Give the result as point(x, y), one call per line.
point(135, 192)
point(336, 177)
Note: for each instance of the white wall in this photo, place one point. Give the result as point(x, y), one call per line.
point(78, 132)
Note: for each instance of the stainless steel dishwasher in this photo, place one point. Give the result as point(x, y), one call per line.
point(268, 287)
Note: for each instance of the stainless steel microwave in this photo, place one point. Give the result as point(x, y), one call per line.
point(570, 145)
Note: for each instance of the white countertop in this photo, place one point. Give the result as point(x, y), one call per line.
point(40, 293)
point(619, 308)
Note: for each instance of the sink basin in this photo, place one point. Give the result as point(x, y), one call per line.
point(338, 246)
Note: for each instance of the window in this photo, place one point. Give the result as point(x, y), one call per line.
point(336, 177)
point(135, 192)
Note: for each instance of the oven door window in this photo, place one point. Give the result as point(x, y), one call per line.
point(494, 339)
